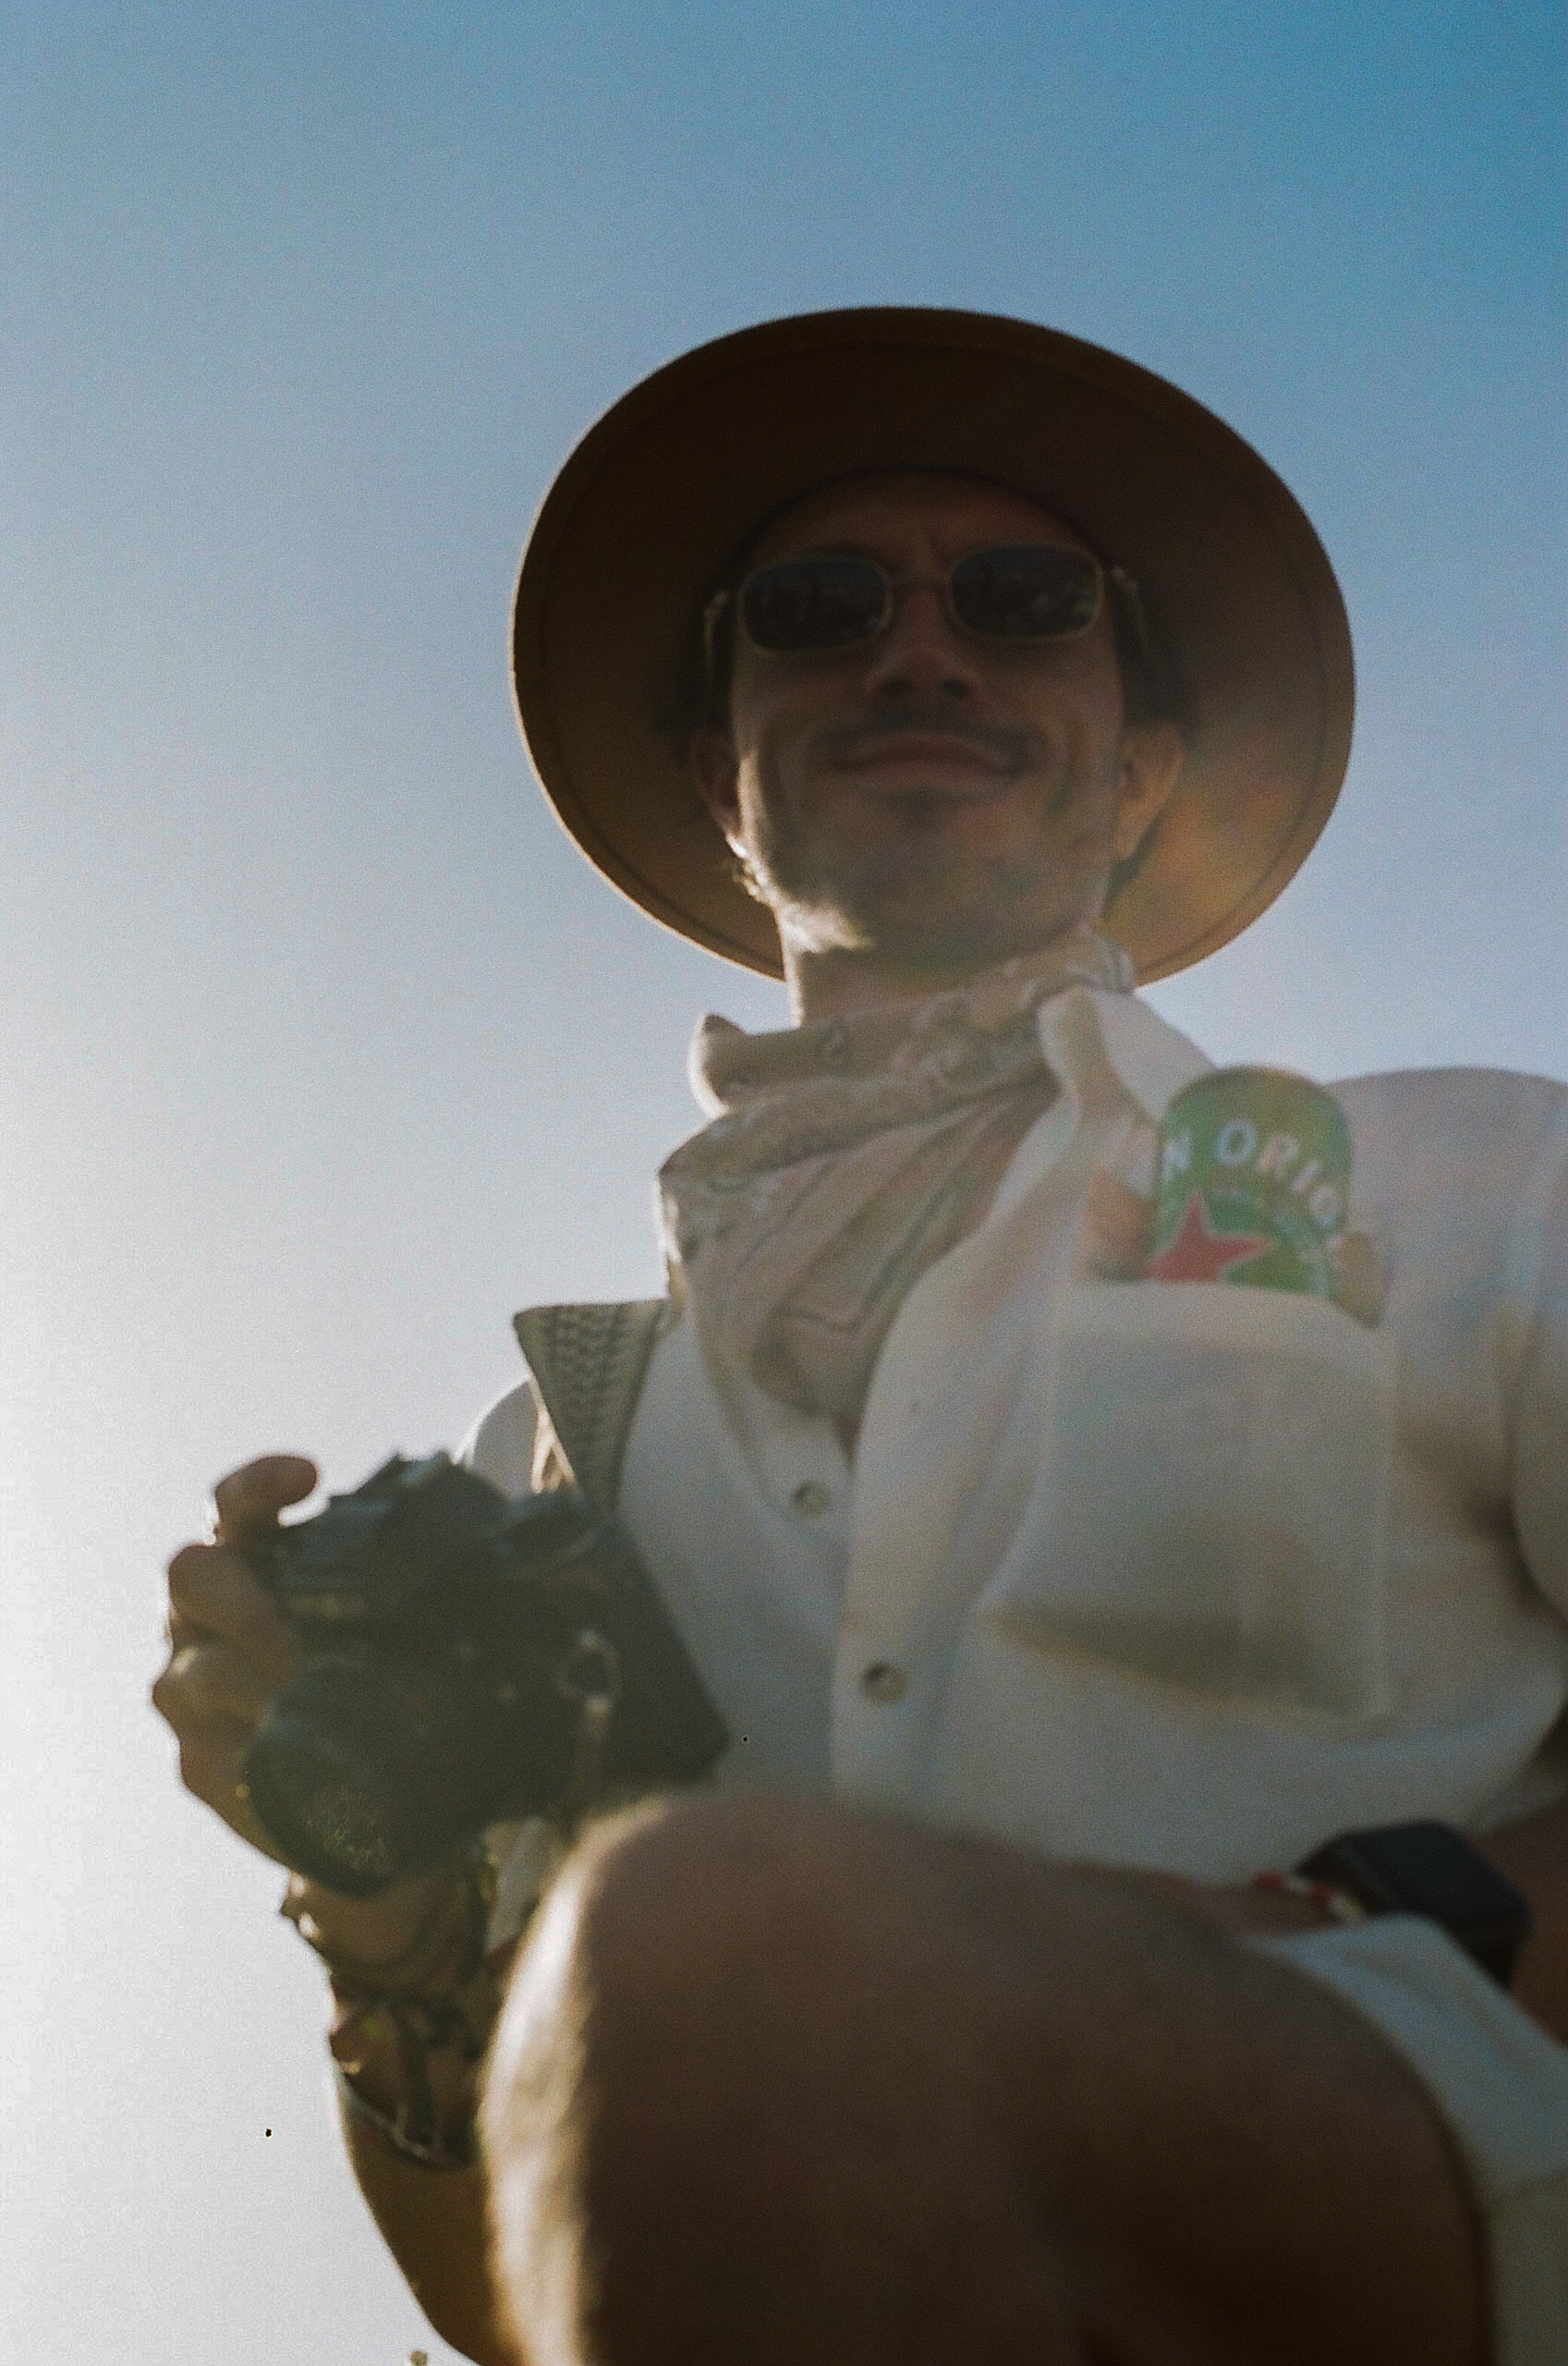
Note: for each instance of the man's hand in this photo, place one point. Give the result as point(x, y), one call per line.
point(229, 1649)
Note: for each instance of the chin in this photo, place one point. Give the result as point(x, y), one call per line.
point(922, 903)
point(920, 938)
point(952, 908)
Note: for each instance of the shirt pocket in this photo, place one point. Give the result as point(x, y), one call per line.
point(1209, 1498)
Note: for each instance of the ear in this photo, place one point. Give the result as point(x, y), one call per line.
point(1152, 755)
point(715, 768)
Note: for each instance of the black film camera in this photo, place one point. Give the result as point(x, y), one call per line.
point(467, 1659)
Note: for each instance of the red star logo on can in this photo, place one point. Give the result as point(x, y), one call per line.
point(1194, 1253)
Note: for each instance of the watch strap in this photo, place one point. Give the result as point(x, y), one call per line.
point(1430, 1868)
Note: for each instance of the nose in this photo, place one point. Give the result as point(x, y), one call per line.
point(919, 652)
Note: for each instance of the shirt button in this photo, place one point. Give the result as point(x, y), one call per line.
point(810, 1499)
point(884, 1680)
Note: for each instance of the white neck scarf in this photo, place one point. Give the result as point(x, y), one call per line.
point(844, 1158)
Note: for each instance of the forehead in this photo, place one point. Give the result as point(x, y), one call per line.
point(889, 514)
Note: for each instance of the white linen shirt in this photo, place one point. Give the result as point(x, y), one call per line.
point(1173, 1575)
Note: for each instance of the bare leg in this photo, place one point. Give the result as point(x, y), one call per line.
point(778, 2082)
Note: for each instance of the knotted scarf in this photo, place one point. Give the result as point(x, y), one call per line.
point(844, 1158)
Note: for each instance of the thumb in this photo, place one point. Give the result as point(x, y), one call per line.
point(1116, 1232)
point(253, 1496)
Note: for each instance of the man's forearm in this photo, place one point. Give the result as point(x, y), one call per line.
point(417, 1999)
point(433, 2222)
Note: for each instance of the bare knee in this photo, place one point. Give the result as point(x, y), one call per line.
point(733, 2112)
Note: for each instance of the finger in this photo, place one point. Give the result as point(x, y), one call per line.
point(210, 1768)
point(253, 1495)
point(1135, 1158)
point(178, 1632)
point(212, 1705)
point(1360, 1283)
point(209, 1764)
point(207, 1686)
point(214, 1594)
point(1117, 1229)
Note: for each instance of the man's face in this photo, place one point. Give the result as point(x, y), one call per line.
point(929, 796)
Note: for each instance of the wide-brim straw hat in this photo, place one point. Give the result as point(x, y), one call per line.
point(672, 483)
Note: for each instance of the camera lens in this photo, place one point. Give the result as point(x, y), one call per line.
point(360, 1775)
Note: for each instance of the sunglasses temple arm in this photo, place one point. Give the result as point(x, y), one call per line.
point(1125, 589)
point(714, 618)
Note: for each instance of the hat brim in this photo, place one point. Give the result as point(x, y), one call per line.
point(666, 487)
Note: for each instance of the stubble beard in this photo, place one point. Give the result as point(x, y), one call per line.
point(910, 902)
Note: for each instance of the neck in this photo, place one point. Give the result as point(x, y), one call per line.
point(835, 982)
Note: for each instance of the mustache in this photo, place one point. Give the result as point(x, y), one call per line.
point(999, 744)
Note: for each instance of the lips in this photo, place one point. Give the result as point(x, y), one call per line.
point(943, 752)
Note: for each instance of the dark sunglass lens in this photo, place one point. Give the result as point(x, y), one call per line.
point(813, 603)
point(1042, 593)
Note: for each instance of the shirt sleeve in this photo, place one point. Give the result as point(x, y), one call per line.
point(500, 1446)
point(1501, 2083)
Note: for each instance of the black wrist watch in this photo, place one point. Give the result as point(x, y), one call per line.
point(1430, 1870)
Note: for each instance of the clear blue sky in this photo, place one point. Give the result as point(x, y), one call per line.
point(323, 1050)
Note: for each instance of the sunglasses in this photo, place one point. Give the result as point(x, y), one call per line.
point(1017, 592)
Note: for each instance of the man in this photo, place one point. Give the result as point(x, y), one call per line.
point(958, 672)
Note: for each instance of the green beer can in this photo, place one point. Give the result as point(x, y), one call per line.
point(1253, 1182)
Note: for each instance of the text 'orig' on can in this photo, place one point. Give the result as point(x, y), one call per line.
point(1253, 1182)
